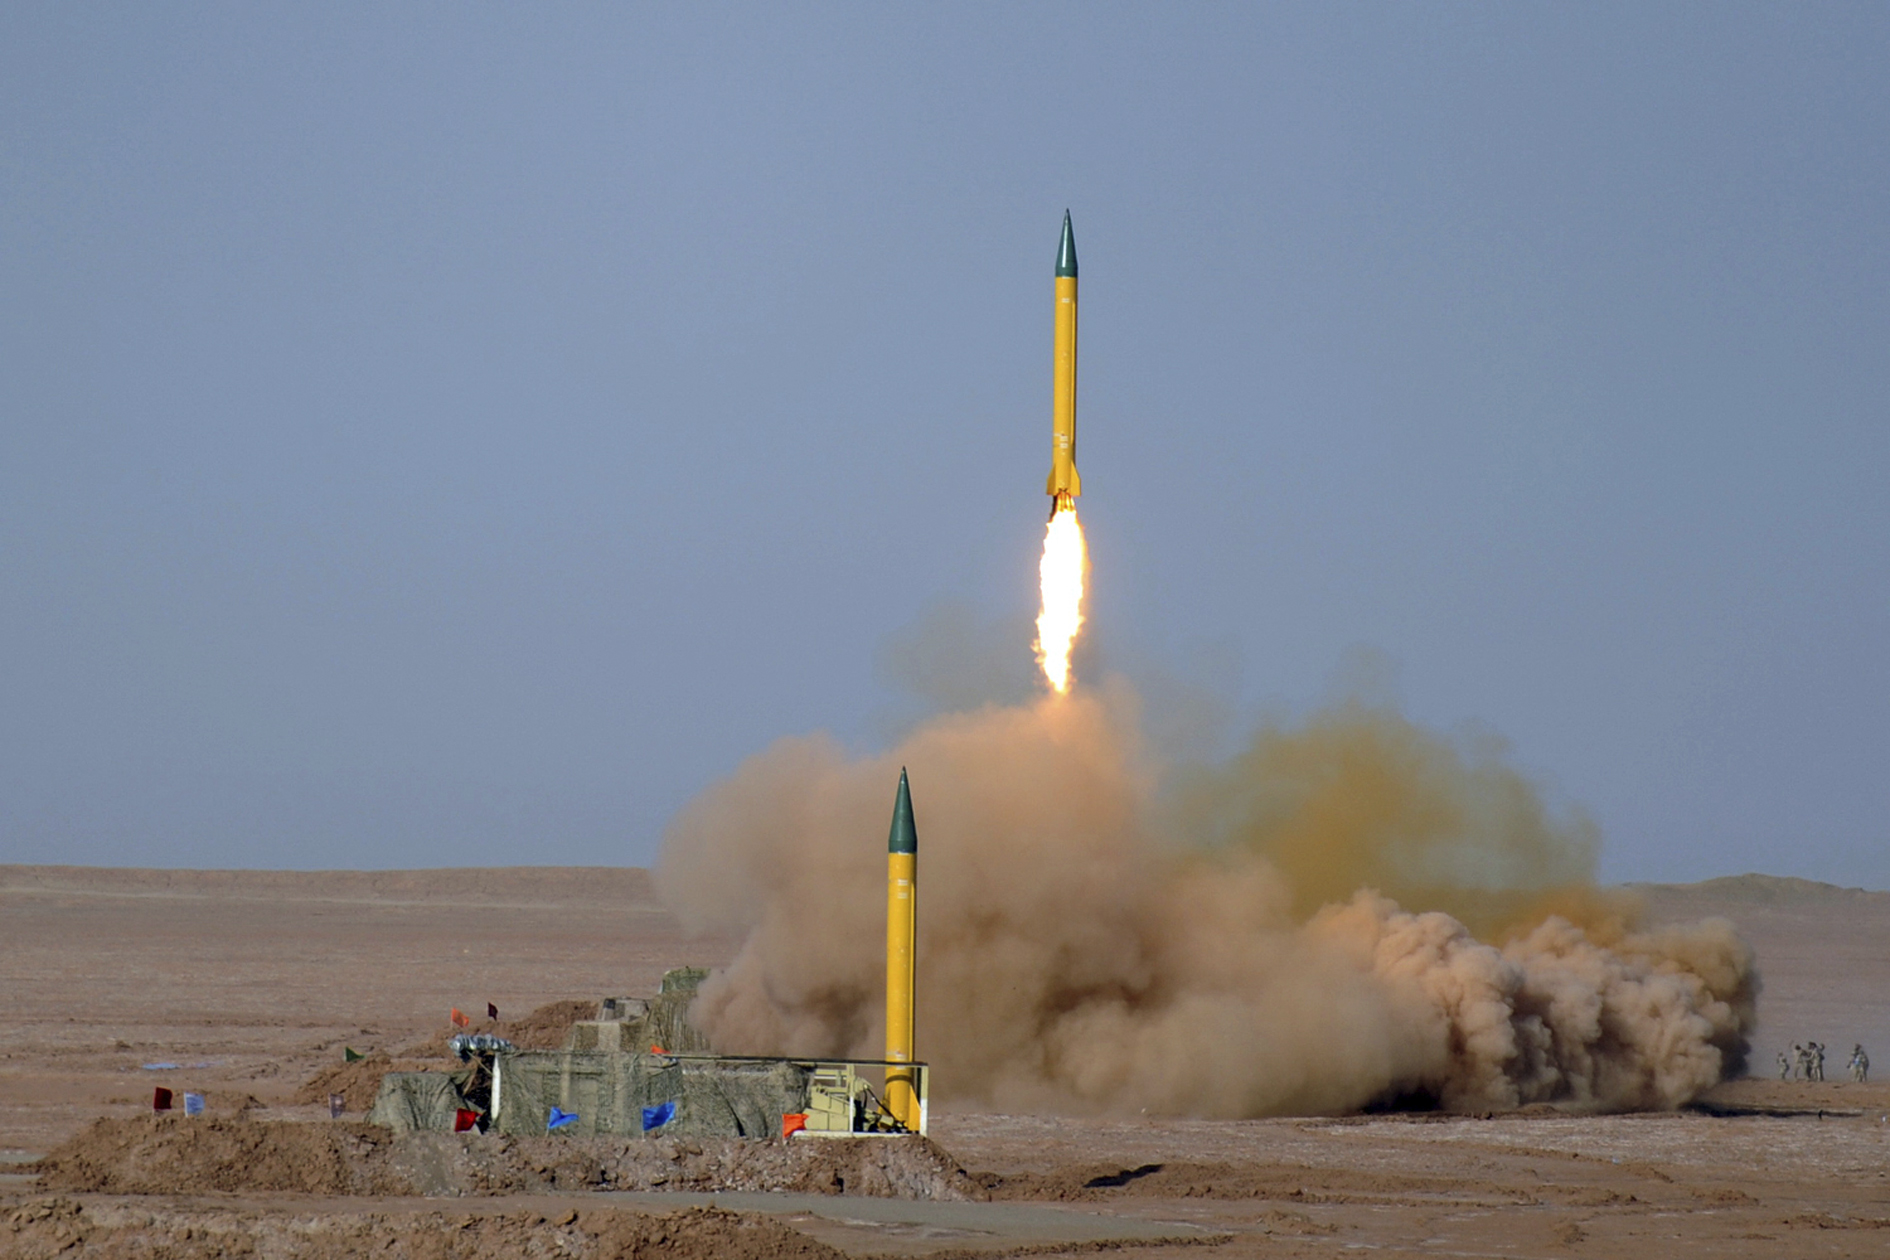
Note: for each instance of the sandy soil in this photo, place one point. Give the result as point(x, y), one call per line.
point(1824, 957)
point(253, 982)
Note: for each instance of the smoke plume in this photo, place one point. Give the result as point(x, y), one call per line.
point(1290, 931)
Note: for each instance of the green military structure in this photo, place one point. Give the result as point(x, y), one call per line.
point(641, 1069)
point(423, 1101)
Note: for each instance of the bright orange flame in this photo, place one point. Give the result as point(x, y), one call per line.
point(1065, 565)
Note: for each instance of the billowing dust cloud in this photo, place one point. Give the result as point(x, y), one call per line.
point(1290, 931)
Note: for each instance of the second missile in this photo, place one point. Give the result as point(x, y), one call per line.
point(1064, 484)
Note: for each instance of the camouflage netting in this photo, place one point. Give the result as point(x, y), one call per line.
point(609, 1091)
point(610, 1069)
point(423, 1101)
point(658, 1022)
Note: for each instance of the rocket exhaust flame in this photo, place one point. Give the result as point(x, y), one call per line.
point(1062, 572)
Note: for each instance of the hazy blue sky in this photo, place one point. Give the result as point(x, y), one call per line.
point(446, 436)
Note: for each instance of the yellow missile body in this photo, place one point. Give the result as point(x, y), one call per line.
point(902, 922)
point(1064, 484)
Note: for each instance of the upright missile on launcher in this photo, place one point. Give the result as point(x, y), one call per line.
point(902, 920)
point(1064, 484)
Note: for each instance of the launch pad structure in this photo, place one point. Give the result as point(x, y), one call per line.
point(641, 1068)
point(615, 1077)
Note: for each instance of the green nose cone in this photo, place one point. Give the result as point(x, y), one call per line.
point(1066, 250)
point(905, 836)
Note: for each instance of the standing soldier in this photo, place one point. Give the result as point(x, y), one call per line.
point(1784, 1067)
point(1801, 1063)
point(1860, 1064)
point(1817, 1060)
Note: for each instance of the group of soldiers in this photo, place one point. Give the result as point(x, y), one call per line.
point(1807, 1063)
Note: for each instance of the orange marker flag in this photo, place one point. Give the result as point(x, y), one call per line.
point(459, 1017)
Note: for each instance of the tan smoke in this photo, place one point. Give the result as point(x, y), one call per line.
point(1282, 933)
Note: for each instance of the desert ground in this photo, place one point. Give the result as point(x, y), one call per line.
point(245, 985)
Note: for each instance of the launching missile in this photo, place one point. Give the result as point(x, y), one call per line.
point(902, 921)
point(1064, 484)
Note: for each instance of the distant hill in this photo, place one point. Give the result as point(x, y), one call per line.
point(629, 886)
point(1755, 889)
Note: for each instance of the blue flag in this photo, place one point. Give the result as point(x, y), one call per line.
point(658, 1116)
point(560, 1119)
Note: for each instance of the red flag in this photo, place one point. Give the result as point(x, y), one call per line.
point(492, 1012)
point(465, 1119)
point(460, 1018)
point(792, 1124)
point(160, 1099)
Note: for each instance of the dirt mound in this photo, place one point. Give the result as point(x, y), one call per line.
point(357, 1082)
point(546, 1028)
point(61, 1227)
point(172, 1155)
point(901, 1168)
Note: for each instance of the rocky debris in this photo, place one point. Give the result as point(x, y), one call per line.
point(172, 1155)
point(64, 1228)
